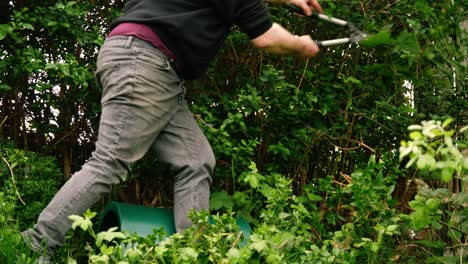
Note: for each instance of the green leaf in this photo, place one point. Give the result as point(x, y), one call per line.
point(252, 180)
point(187, 253)
point(447, 122)
point(420, 219)
point(446, 174)
point(259, 245)
point(351, 79)
point(90, 214)
point(109, 235)
point(4, 87)
point(407, 41)
point(234, 253)
point(220, 200)
point(75, 218)
point(283, 215)
point(433, 204)
point(314, 197)
point(28, 26)
point(416, 204)
point(374, 247)
point(390, 230)
point(404, 151)
point(78, 221)
point(415, 127)
point(426, 161)
point(415, 135)
point(381, 38)
point(4, 30)
point(253, 167)
point(411, 161)
point(51, 66)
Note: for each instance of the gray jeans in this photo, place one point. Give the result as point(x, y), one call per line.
point(143, 107)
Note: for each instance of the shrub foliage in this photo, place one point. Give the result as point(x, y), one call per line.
point(315, 154)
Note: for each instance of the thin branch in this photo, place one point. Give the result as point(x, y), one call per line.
point(427, 251)
point(68, 134)
point(3, 121)
point(303, 74)
point(13, 180)
point(198, 117)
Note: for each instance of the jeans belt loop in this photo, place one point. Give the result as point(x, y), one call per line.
point(129, 42)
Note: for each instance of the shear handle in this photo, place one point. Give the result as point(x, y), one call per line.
point(326, 43)
point(336, 21)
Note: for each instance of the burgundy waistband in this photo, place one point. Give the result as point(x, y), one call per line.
point(143, 32)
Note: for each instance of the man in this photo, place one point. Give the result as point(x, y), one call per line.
point(141, 68)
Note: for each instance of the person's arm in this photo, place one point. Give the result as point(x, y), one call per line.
point(307, 5)
point(280, 41)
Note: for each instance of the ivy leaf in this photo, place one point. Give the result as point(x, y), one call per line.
point(381, 38)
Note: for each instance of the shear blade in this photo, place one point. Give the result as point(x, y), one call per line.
point(357, 38)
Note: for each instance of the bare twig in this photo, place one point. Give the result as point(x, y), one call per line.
point(303, 74)
point(427, 251)
point(236, 242)
point(360, 144)
point(198, 117)
point(346, 177)
point(339, 183)
point(3, 121)
point(67, 134)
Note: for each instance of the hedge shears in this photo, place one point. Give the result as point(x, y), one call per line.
point(356, 36)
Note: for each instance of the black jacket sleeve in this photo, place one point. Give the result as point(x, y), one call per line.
point(252, 16)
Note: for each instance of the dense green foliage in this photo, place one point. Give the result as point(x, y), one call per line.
point(309, 151)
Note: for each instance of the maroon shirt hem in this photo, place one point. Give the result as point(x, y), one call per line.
point(143, 32)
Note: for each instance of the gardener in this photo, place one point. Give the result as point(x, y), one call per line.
point(141, 68)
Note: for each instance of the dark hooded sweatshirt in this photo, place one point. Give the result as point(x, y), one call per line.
point(194, 30)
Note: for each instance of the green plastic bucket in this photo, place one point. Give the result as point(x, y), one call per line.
point(143, 219)
point(137, 218)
